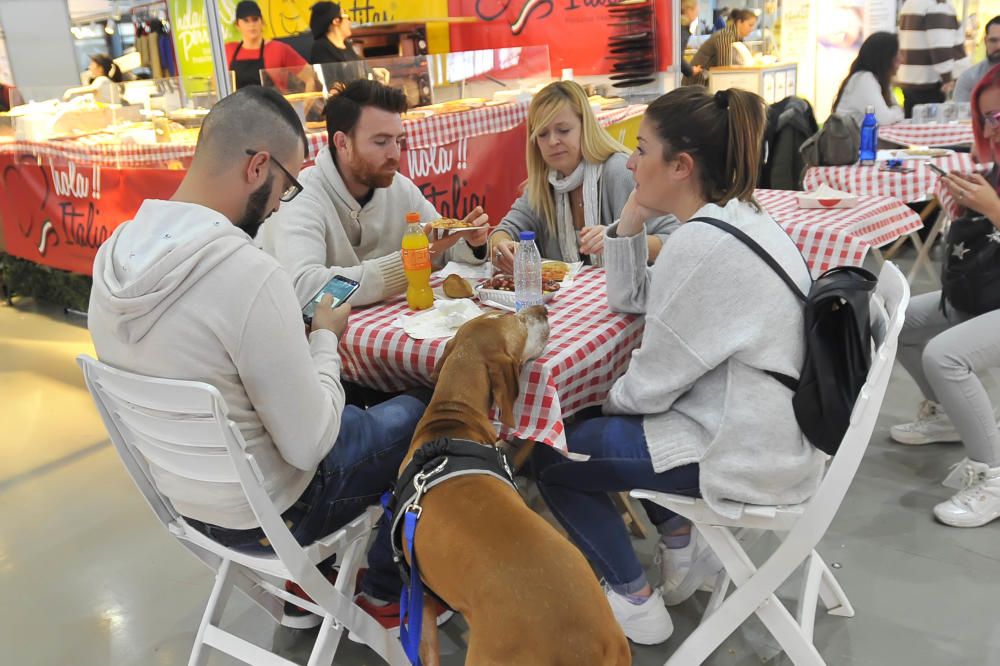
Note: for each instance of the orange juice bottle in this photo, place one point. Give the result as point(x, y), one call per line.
point(417, 264)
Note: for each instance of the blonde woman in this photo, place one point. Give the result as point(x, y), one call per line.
point(578, 183)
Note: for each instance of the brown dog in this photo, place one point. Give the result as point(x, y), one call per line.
point(529, 596)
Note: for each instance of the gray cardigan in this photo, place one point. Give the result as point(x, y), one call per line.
point(717, 318)
point(616, 186)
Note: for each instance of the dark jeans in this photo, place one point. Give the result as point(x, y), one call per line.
point(914, 96)
point(360, 467)
point(577, 491)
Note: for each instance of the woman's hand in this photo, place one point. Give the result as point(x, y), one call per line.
point(592, 239)
point(503, 255)
point(974, 192)
point(633, 218)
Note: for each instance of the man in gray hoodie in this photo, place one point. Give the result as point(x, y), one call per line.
point(181, 292)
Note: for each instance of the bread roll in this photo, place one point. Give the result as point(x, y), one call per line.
point(457, 287)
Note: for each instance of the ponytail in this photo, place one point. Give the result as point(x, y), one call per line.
point(723, 134)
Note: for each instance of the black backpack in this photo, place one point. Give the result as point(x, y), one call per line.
point(838, 346)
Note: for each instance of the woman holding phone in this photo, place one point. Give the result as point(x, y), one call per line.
point(945, 350)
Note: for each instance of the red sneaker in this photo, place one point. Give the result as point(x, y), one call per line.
point(299, 618)
point(388, 615)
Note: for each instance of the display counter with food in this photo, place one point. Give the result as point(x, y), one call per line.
point(773, 82)
point(63, 195)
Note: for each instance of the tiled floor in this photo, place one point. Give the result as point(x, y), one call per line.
point(89, 578)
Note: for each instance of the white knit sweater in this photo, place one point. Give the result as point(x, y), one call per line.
point(325, 232)
point(717, 318)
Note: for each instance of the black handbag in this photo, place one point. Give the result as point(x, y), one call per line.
point(970, 275)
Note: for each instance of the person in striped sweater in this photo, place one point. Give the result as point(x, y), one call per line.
point(932, 52)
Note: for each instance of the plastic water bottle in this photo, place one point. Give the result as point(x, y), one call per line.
point(527, 273)
point(869, 137)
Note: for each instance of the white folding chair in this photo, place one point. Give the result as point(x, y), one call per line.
point(801, 526)
point(183, 427)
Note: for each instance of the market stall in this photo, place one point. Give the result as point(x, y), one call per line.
point(61, 199)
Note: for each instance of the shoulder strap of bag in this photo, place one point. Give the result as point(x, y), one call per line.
point(757, 249)
point(790, 383)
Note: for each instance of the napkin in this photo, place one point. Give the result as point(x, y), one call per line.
point(826, 197)
point(441, 321)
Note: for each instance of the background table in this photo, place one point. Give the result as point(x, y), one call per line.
point(589, 348)
point(935, 135)
point(839, 236)
point(909, 187)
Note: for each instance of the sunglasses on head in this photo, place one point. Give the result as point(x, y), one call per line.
point(294, 188)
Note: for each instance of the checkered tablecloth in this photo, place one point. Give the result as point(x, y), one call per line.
point(119, 155)
point(928, 134)
point(913, 186)
point(839, 236)
point(589, 348)
point(421, 133)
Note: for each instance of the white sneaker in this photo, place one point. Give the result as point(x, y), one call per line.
point(978, 502)
point(686, 570)
point(647, 623)
point(932, 425)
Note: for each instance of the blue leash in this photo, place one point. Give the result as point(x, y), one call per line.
point(411, 601)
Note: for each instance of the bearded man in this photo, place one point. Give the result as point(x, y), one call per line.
point(351, 216)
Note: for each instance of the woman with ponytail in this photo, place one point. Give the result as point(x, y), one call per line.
point(696, 412)
point(105, 81)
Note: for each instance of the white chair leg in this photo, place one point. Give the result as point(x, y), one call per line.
point(718, 594)
point(809, 594)
point(213, 612)
point(327, 640)
point(832, 594)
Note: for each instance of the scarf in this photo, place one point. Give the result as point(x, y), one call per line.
point(588, 175)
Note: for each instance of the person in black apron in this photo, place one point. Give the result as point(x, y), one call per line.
point(250, 23)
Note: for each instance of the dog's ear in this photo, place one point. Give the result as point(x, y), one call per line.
point(448, 349)
point(505, 384)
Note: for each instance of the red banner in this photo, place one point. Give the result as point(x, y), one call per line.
point(482, 171)
point(59, 214)
point(576, 31)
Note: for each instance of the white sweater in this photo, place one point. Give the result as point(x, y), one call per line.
point(325, 232)
point(863, 90)
point(181, 293)
point(717, 318)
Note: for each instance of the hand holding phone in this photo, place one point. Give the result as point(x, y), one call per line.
point(339, 288)
point(327, 317)
point(936, 169)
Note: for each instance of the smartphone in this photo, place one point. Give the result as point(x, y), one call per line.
point(340, 287)
point(936, 169)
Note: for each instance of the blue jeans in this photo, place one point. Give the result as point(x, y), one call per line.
point(577, 491)
point(361, 466)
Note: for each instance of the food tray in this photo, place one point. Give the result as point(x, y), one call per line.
point(503, 297)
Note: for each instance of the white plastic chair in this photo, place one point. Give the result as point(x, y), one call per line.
point(801, 526)
point(184, 427)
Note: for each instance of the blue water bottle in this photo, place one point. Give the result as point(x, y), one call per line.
point(869, 137)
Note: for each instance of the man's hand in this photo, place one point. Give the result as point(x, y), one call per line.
point(442, 240)
point(946, 88)
point(592, 239)
point(329, 318)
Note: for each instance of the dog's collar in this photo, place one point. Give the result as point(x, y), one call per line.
point(434, 463)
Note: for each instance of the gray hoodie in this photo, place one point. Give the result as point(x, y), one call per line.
point(181, 293)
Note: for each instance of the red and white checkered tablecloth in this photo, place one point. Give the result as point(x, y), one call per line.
point(939, 135)
point(421, 133)
point(909, 187)
point(120, 155)
point(839, 236)
point(589, 348)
